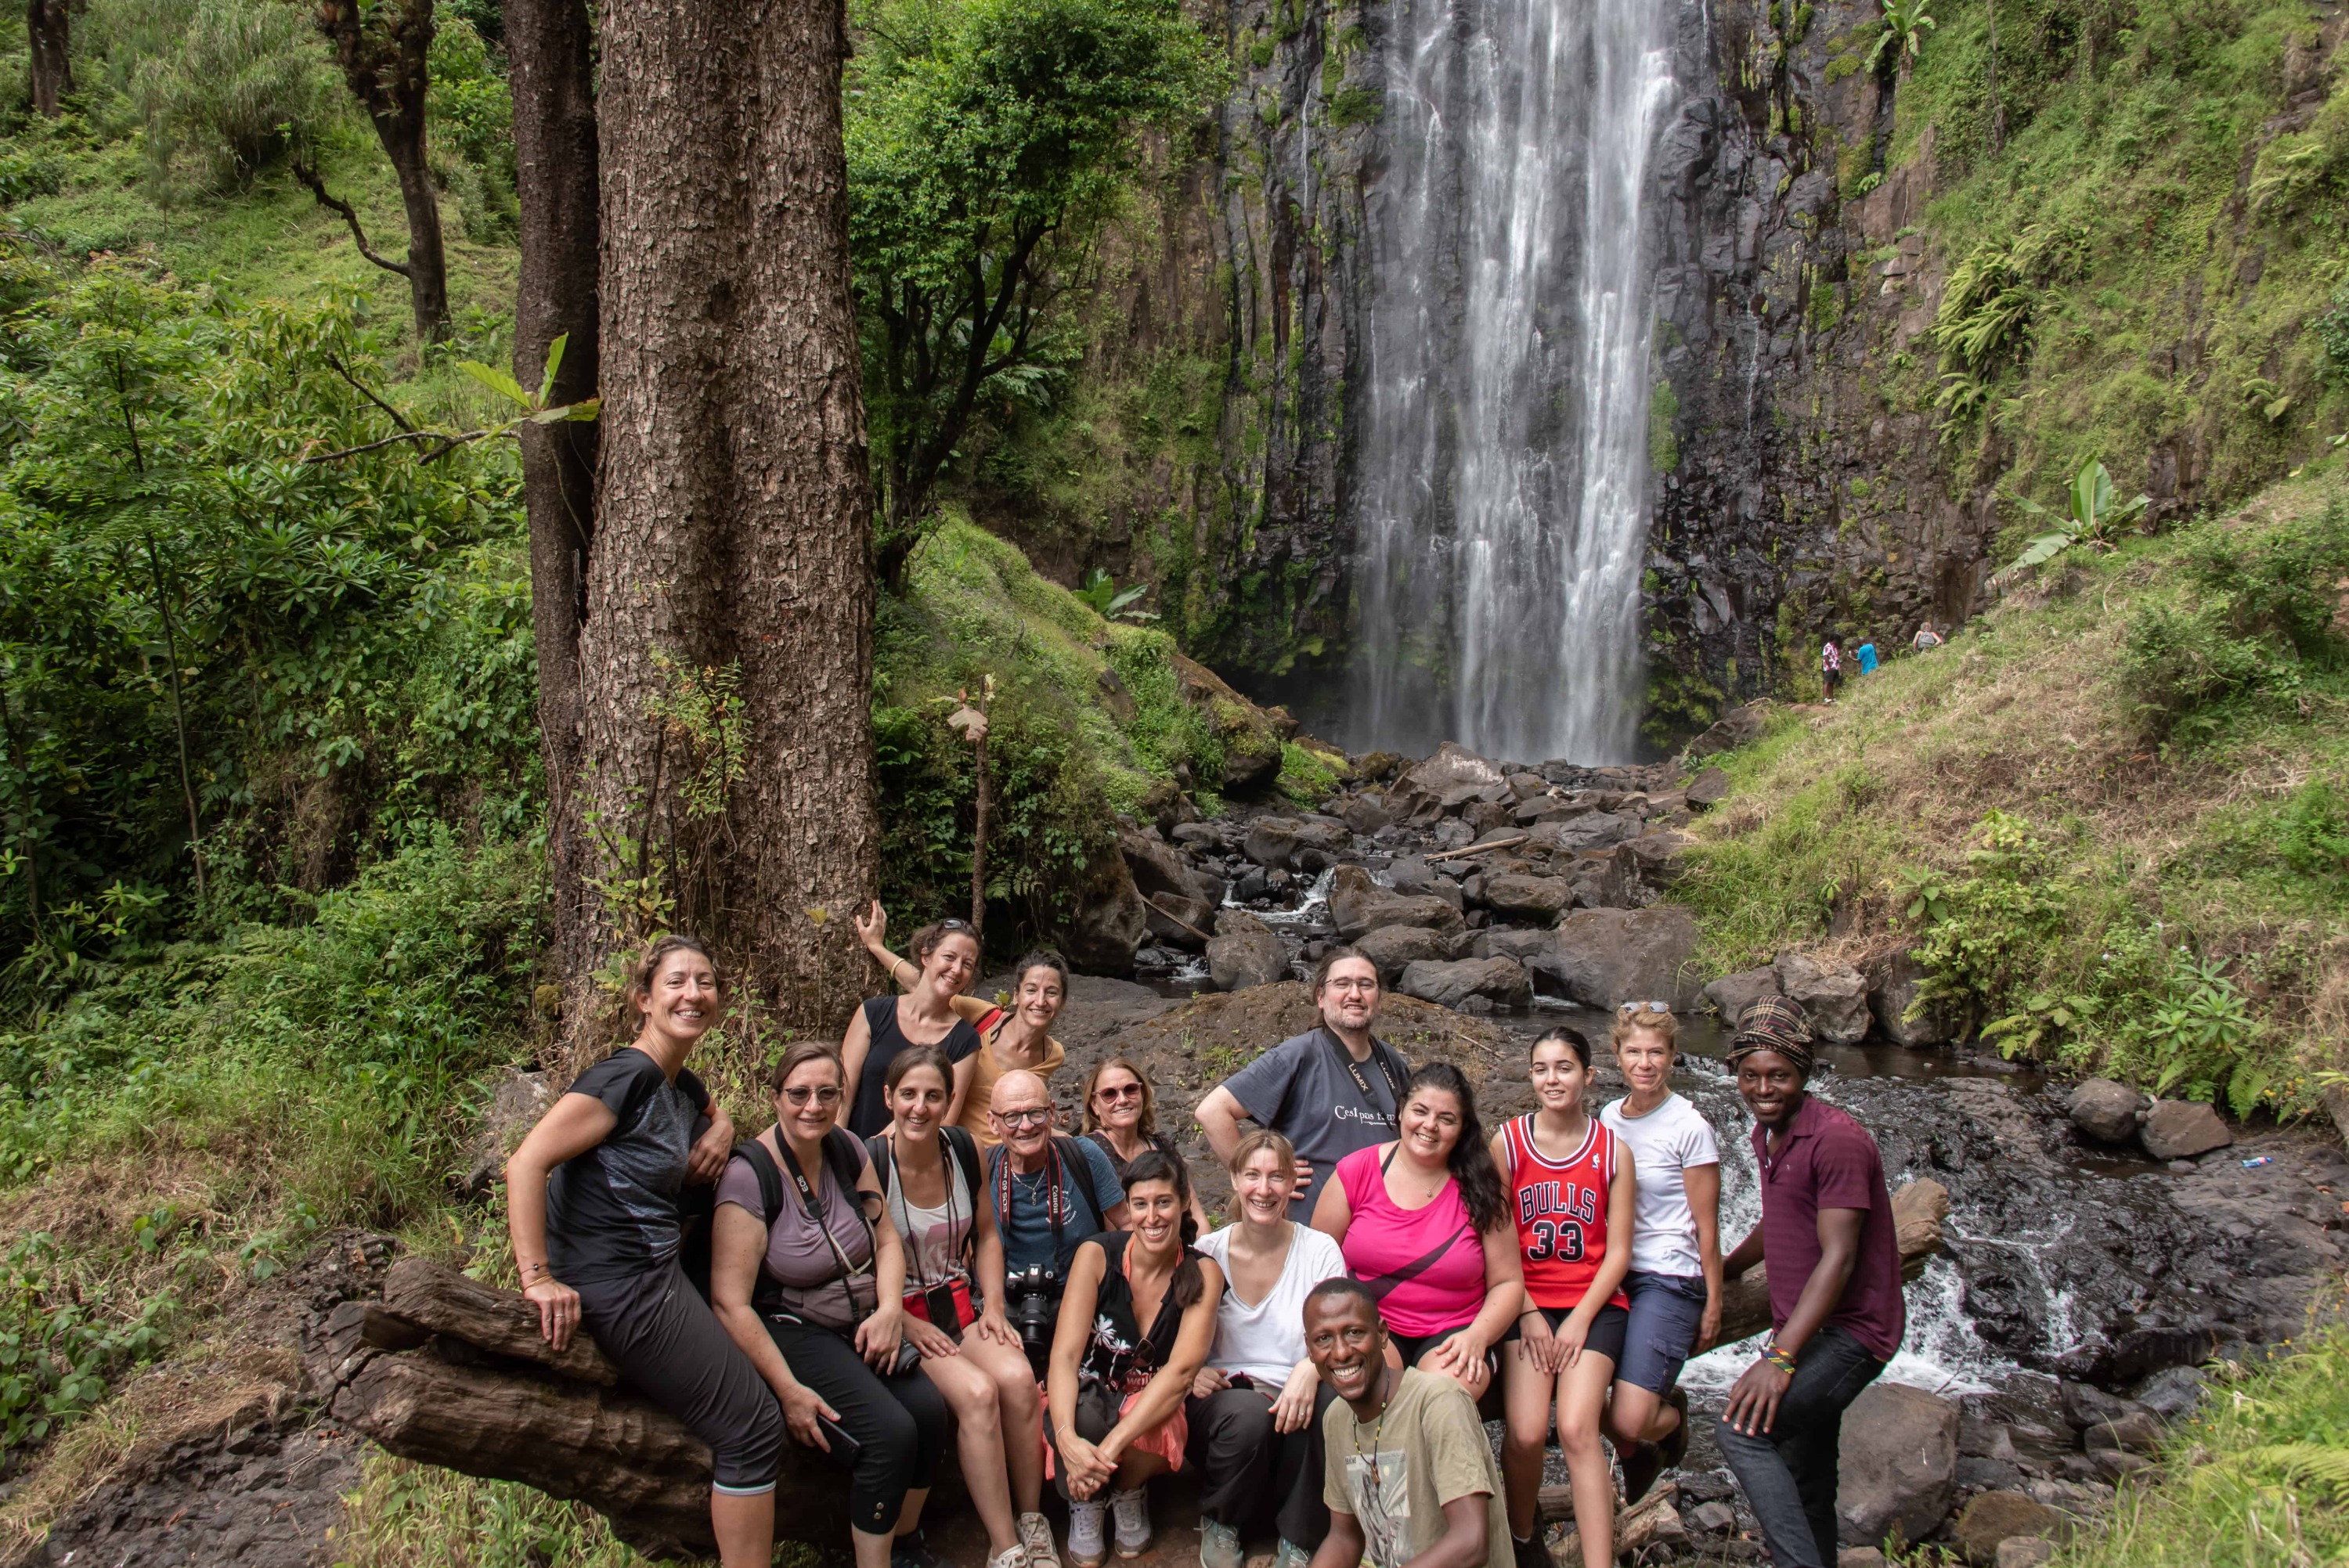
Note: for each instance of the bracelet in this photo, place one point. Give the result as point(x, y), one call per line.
point(1779, 1358)
point(530, 1269)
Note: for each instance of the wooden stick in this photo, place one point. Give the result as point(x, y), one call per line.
point(1479, 849)
point(1175, 917)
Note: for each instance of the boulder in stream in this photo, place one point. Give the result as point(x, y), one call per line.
point(1892, 1000)
point(1241, 958)
point(1605, 956)
point(1391, 947)
point(1358, 904)
point(1498, 980)
point(1834, 994)
point(2181, 1128)
point(1447, 782)
point(2107, 1111)
point(1899, 1463)
point(1108, 919)
point(1732, 994)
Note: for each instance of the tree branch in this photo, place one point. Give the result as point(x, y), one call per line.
point(309, 176)
point(449, 443)
point(336, 361)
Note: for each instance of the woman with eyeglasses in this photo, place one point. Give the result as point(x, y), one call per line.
point(1120, 1115)
point(1016, 1037)
point(1422, 1223)
point(807, 1274)
point(946, 955)
point(1674, 1284)
point(934, 1178)
point(591, 1206)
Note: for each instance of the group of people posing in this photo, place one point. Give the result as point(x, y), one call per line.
point(916, 1258)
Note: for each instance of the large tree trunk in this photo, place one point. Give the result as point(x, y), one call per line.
point(428, 263)
point(733, 507)
point(384, 56)
point(48, 33)
point(550, 68)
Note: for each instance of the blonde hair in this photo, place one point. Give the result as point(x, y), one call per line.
point(1632, 1017)
point(1148, 1124)
point(1255, 1142)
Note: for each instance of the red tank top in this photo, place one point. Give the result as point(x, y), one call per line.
point(1562, 1211)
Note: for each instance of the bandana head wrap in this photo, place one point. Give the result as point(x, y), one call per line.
point(1773, 1024)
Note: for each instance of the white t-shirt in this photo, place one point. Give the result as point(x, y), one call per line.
point(1664, 1143)
point(1268, 1340)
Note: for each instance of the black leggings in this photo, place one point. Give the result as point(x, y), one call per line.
point(665, 1341)
point(899, 1424)
point(1235, 1449)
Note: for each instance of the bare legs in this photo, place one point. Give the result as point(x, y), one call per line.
point(979, 1437)
point(1580, 1391)
point(745, 1528)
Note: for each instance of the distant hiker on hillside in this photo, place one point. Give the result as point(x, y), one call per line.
point(1866, 655)
point(1830, 668)
point(1329, 1091)
point(1835, 1307)
point(1925, 638)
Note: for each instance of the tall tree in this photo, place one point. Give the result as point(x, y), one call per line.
point(549, 58)
point(726, 666)
point(382, 47)
point(48, 33)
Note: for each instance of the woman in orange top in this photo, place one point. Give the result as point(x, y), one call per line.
point(1019, 1036)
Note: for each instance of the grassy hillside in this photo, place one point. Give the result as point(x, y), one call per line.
point(2111, 817)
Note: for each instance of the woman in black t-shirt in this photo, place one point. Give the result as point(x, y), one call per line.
point(947, 956)
point(591, 1206)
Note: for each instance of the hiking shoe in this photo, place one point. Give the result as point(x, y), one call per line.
point(1036, 1535)
point(1290, 1555)
point(1530, 1553)
point(1131, 1510)
point(1219, 1545)
point(1087, 1548)
point(1642, 1463)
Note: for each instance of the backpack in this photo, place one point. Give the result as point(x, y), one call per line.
point(960, 1142)
point(843, 1156)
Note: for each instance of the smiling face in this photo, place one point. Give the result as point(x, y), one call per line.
point(949, 966)
point(680, 997)
point(1350, 996)
point(1558, 1076)
point(1346, 1342)
point(1022, 1112)
point(1431, 1124)
point(1261, 1188)
point(1771, 1087)
point(1156, 1211)
point(1038, 1000)
point(1117, 1099)
point(1646, 1058)
point(919, 1102)
point(809, 1102)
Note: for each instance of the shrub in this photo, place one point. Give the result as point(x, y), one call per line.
point(233, 85)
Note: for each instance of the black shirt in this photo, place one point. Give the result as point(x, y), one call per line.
point(612, 1211)
point(870, 1112)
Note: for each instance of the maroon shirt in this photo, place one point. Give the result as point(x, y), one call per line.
point(1827, 1160)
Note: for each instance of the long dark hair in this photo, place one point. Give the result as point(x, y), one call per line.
point(1471, 1162)
point(1156, 1165)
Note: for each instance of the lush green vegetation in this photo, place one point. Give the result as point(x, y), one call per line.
point(2108, 819)
point(2260, 1477)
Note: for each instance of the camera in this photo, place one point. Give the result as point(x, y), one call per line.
point(1032, 1306)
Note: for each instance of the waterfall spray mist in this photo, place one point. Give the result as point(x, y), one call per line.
point(1501, 499)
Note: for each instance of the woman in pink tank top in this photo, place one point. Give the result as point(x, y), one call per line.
point(1436, 1247)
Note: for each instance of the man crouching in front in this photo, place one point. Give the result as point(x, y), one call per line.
point(1411, 1480)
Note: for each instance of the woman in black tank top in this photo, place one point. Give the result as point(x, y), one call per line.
point(948, 953)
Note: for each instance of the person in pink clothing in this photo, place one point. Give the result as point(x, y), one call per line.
point(1436, 1247)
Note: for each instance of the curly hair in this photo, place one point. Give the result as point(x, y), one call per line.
point(1471, 1162)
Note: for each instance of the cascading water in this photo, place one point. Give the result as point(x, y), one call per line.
point(1501, 482)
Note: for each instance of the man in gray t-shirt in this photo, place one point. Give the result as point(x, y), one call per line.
point(1329, 1091)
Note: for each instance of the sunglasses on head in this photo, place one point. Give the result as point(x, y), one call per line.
point(1630, 1008)
point(824, 1094)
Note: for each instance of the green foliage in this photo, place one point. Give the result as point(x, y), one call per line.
point(472, 116)
point(232, 86)
point(1107, 601)
point(59, 1344)
point(408, 1515)
point(2093, 509)
point(1902, 37)
point(1305, 778)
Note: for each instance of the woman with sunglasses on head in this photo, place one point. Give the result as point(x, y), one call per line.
point(591, 1206)
point(1121, 1114)
point(1674, 1284)
point(807, 1274)
point(933, 1177)
point(1016, 1037)
point(1136, 1319)
point(1571, 1190)
point(946, 955)
point(1423, 1223)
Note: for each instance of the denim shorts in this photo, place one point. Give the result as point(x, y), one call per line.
point(1666, 1311)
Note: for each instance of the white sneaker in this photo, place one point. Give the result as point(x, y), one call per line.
point(1219, 1545)
point(1036, 1535)
point(1013, 1556)
point(1086, 1547)
point(1131, 1510)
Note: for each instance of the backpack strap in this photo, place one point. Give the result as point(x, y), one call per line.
point(884, 1158)
point(1073, 1155)
point(964, 1148)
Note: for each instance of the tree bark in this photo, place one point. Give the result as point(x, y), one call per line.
point(733, 507)
point(48, 33)
point(383, 56)
point(551, 71)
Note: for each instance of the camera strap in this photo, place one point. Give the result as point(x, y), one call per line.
point(1362, 1080)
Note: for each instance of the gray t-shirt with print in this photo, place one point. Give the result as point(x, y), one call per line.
point(1302, 1089)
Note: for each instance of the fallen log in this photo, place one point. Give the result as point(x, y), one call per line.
point(1635, 1525)
point(1477, 849)
point(452, 1372)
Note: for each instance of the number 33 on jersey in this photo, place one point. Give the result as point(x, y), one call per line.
point(1562, 1211)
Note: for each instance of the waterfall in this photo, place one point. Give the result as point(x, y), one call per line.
point(1500, 501)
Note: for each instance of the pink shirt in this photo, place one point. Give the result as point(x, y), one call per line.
point(1435, 1246)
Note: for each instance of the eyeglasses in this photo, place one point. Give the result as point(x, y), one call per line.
point(1350, 982)
point(1122, 1091)
point(1025, 1118)
point(1630, 1008)
point(825, 1094)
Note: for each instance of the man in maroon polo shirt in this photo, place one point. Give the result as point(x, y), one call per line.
point(1835, 1307)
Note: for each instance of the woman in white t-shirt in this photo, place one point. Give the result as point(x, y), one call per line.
point(1255, 1407)
point(1674, 1285)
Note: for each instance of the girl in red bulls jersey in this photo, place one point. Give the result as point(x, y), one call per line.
point(1570, 1191)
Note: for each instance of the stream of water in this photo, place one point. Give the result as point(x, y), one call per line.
point(1501, 502)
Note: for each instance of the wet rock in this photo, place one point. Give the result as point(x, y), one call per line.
point(1732, 994)
point(1987, 1475)
point(1412, 873)
point(1272, 842)
point(1501, 980)
point(1198, 835)
point(1738, 727)
point(2135, 1431)
point(1892, 1000)
point(1154, 865)
point(2173, 1394)
point(1107, 919)
point(1980, 1439)
point(1366, 814)
point(1602, 880)
point(2181, 1128)
point(1544, 809)
point(2000, 1516)
point(1899, 1463)
point(1714, 1518)
point(1378, 766)
point(2104, 1110)
point(1513, 942)
point(1532, 897)
point(1609, 956)
point(1179, 919)
point(1391, 947)
point(1834, 995)
point(1708, 789)
point(1252, 886)
point(1446, 783)
point(2085, 1404)
point(1489, 816)
point(1358, 904)
point(1246, 958)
